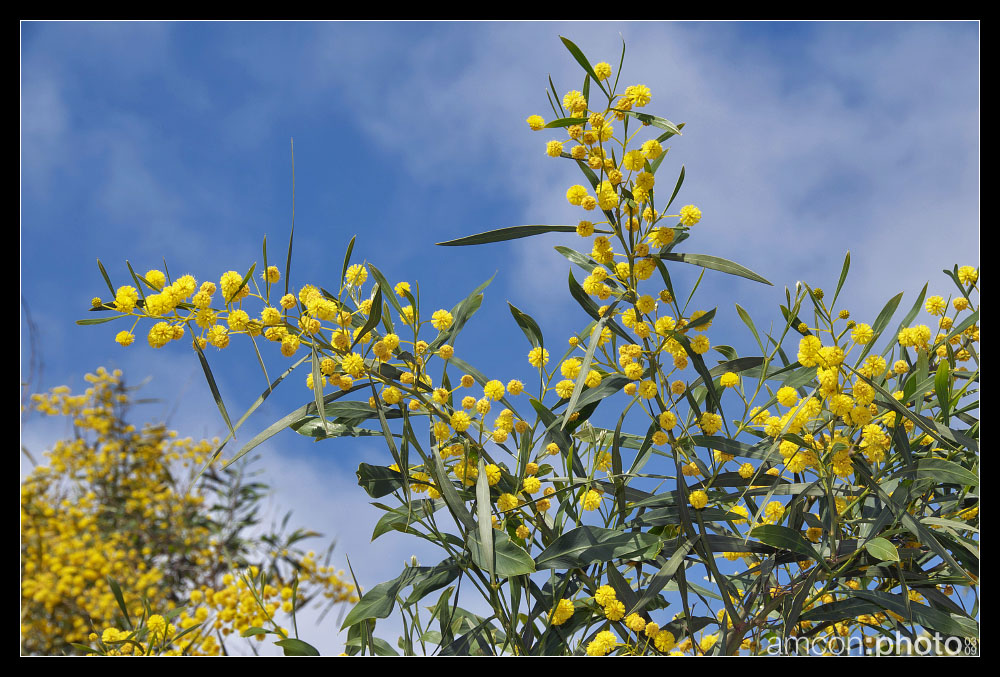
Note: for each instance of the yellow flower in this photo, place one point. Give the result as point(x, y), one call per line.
point(690, 215)
point(698, 499)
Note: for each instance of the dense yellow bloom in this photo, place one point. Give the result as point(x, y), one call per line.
point(115, 501)
point(602, 644)
point(536, 122)
point(538, 357)
point(441, 320)
point(968, 275)
point(591, 500)
point(729, 380)
point(562, 613)
point(698, 499)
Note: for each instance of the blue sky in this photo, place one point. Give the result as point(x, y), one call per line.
point(144, 141)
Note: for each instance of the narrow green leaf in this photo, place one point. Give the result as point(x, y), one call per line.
point(565, 122)
point(461, 314)
point(942, 381)
point(929, 618)
point(107, 279)
point(116, 590)
point(939, 432)
point(677, 188)
point(380, 600)
point(591, 308)
point(384, 284)
point(246, 281)
point(655, 121)
point(291, 233)
point(455, 504)
point(785, 538)
point(946, 472)
point(317, 376)
point(527, 325)
point(586, 545)
point(843, 276)
point(595, 338)
point(214, 388)
point(373, 317)
point(504, 234)
point(582, 60)
point(738, 365)
point(663, 576)
point(99, 320)
point(914, 310)
point(347, 260)
point(715, 263)
point(483, 516)
point(881, 322)
point(254, 631)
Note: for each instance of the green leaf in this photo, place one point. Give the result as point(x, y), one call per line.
point(254, 631)
point(595, 338)
point(317, 376)
point(591, 308)
point(214, 388)
point(881, 322)
point(736, 366)
point(940, 432)
point(946, 472)
point(565, 122)
point(455, 504)
point(116, 590)
point(916, 308)
point(347, 260)
point(380, 600)
point(107, 279)
point(527, 325)
point(929, 618)
point(99, 320)
point(384, 284)
point(586, 545)
point(843, 276)
point(882, 549)
point(291, 233)
point(663, 576)
point(582, 60)
point(785, 538)
point(399, 519)
point(715, 263)
point(322, 430)
point(511, 559)
point(655, 121)
point(484, 543)
point(282, 423)
point(504, 234)
point(460, 315)
point(378, 480)
point(942, 381)
point(764, 450)
point(677, 188)
point(246, 281)
point(373, 318)
point(296, 647)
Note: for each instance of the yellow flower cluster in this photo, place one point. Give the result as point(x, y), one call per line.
point(114, 502)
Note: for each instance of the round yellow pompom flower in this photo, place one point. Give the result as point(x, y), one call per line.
point(690, 215)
